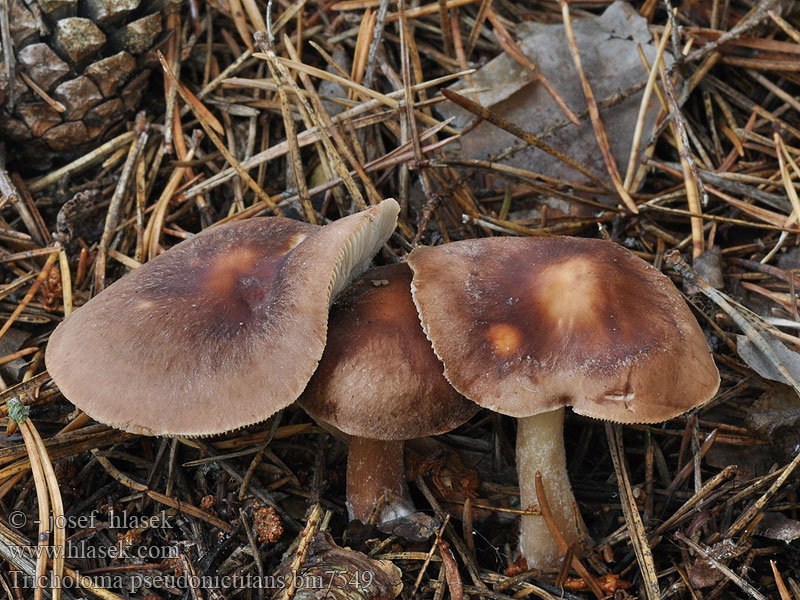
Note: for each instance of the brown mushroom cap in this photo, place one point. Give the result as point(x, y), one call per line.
point(219, 332)
point(379, 377)
point(527, 325)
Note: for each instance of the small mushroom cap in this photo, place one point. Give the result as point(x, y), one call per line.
point(525, 326)
point(379, 377)
point(219, 332)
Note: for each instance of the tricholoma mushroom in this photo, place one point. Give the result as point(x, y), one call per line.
point(380, 382)
point(219, 332)
point(527, 326)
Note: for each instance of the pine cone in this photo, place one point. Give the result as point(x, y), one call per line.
point(77, 71)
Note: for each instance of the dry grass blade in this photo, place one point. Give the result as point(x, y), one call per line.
point(778, 91)
point(374, 45)
point(198, 108)
point(40, 279)
point(692, 182)
point(594, 113)
point(151, 236)
point(648, 90)
point(428, 9)
point(18, 354)
point(756, 16)
point(348, 83)
point(632, 517)
point(237, 14)
point(11, 541)
point(21, 256)
point(743, 585)
point(260, 194)
point(190, 510)
point(497, 120)
point(254, 14)
point(54, 104)
point(775, 220)
point(550, 521)
point(483, 11)
point(323, 123)
point(283, 73)
point(83, 162)
point(161, 498)
point(514, 51)
point(753, 511)
point(447, 30)
point(301, 547)
point(380, 163)
point(782, 589)
point(8, 193)
point(429, 557)
point(386, 99)
point(171, 114)
point(294, 9)
point(29, 212)
point(783, 156)
point(363, 43)
point(114, 208)
point(19, 414)
point(676, 262)
point(233, 68)
point(81, 419)
point(22, 388)
point(66, 282)
point(725, 475)
point(90, 586)
point(294, 150)
point(783, 24)
point(311, 136)
point(6, 43)
point(67, 444)
point(689, 466)
point(59, 518)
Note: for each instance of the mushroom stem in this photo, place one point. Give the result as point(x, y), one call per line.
point(376, 473)
point(540, 447)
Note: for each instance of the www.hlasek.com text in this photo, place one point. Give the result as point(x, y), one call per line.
point(90, 551)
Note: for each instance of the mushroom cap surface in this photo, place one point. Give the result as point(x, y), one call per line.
point(526, 325)
point(379, 377)
point(219, 332)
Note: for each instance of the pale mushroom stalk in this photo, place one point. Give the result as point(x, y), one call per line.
point(376, 477)
point(540, 447)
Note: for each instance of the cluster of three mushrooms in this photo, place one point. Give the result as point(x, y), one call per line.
point(227, 328)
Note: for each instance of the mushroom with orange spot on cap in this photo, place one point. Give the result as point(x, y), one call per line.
point(219, 332)
point(528, 326)
point(380, 382)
